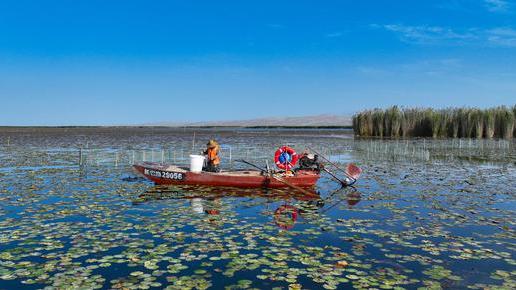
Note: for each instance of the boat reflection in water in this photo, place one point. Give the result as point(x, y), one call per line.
point(208, 200)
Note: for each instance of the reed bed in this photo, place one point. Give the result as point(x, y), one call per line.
point(394, 122)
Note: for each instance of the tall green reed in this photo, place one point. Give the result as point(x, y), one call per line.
point(394, 122)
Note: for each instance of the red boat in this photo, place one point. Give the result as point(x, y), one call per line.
point(174, 175)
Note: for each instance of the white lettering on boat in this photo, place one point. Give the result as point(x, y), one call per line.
point(164, 174)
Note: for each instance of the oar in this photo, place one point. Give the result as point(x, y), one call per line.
point(306, 192)
point(279, 178)
point(351, 167)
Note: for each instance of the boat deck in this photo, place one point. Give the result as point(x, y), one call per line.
point(242, 172)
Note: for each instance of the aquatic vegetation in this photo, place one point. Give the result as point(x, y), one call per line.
point(437, 123)
point(409, 224)
point(514, 114)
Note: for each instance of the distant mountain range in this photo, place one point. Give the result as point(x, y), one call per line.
point(305, 121)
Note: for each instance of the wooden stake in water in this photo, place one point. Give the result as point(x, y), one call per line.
point(193, 141)
point(80, 156)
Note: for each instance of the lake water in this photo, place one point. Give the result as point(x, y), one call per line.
point(431, 214)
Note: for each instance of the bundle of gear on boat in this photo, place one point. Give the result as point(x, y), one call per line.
point(310, 162)
point(286, 158)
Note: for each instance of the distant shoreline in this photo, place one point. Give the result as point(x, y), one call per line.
point(178, 127)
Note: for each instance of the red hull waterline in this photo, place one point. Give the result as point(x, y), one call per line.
point(173, 175)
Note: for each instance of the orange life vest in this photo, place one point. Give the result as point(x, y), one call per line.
point(212, 155)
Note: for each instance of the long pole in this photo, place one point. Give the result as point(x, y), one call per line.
point(335, 177)
point(344, 171)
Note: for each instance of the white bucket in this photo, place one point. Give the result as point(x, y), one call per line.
point(196, 163)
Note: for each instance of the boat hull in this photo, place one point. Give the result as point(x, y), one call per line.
point(173, 175)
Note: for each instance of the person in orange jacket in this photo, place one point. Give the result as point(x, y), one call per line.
point(212, 156)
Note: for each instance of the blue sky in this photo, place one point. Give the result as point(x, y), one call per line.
point(130, 62)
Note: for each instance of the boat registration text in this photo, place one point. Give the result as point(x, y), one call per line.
point(164, 174)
